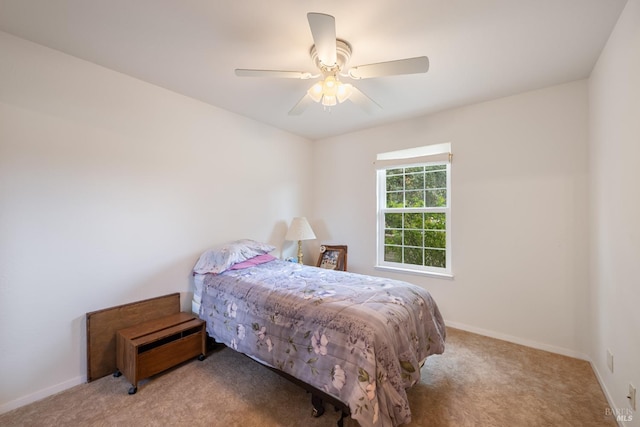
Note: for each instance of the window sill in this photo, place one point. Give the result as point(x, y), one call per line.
point(448, 276)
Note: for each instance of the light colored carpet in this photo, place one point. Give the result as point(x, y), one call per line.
point(478, 381)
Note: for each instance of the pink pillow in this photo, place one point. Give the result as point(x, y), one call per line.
point(256, 260)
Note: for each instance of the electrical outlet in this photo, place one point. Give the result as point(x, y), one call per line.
point(632, 396)
point(610, 360)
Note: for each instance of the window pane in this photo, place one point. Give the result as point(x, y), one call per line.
point(414, 169)
point(436, 168)
point(392, 237)
point(393, 220)
point(414, 181)
point(414, 220)
point(395, 200)
point(395, 183)
point(413, 238)
point(397, 171)
point(393, 253)
point(414, 199)
point(413, 256)
point(435, 221)
point(435, 258)
point(436, 179)
point(436, 198)
point(435, 239)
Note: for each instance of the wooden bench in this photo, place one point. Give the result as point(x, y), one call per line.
point(151, 347)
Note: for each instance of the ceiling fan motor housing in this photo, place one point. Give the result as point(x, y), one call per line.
point(343, 54)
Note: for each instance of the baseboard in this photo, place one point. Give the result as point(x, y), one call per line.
point(605, 390)
point(41, 394)
point(521, 341)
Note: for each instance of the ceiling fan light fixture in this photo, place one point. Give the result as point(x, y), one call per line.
point(330, 86)
point(315, 92)
point(329, 100)
point(344, 92)
point(330, 91)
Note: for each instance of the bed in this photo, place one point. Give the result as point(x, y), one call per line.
point(359, 339)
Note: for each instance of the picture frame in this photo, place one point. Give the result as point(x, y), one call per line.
point(333, 257)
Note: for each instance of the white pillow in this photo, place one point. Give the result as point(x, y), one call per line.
point(221, 258)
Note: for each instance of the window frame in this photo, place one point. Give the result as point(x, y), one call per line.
point(381, 209)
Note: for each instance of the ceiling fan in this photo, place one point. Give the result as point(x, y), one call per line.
point(331, 56)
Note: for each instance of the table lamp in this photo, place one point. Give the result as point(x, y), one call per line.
point(299, 230)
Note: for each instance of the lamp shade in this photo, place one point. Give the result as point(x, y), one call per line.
point(299, 230)
point(315, 92)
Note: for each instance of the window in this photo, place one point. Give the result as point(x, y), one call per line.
point(414, 215)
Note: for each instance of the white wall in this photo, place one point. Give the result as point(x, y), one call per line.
point(519, 212)
point(614, 97)
point(110, 188)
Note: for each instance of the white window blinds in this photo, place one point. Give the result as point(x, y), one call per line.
point(425, 154)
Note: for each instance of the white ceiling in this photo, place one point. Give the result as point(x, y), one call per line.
point(478, 49)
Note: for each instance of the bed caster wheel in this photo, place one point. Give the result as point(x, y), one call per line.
point(116, 374)
point(133, 390)
point(201, 357)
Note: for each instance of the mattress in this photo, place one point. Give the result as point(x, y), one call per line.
point(197, 293)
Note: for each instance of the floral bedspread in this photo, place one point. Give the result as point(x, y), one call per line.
point(358, 338)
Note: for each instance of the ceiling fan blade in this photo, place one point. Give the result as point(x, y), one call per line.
point(419, 64)
point(241, 72)
point(363, 101)
point(323, 30)
point(302, 105)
